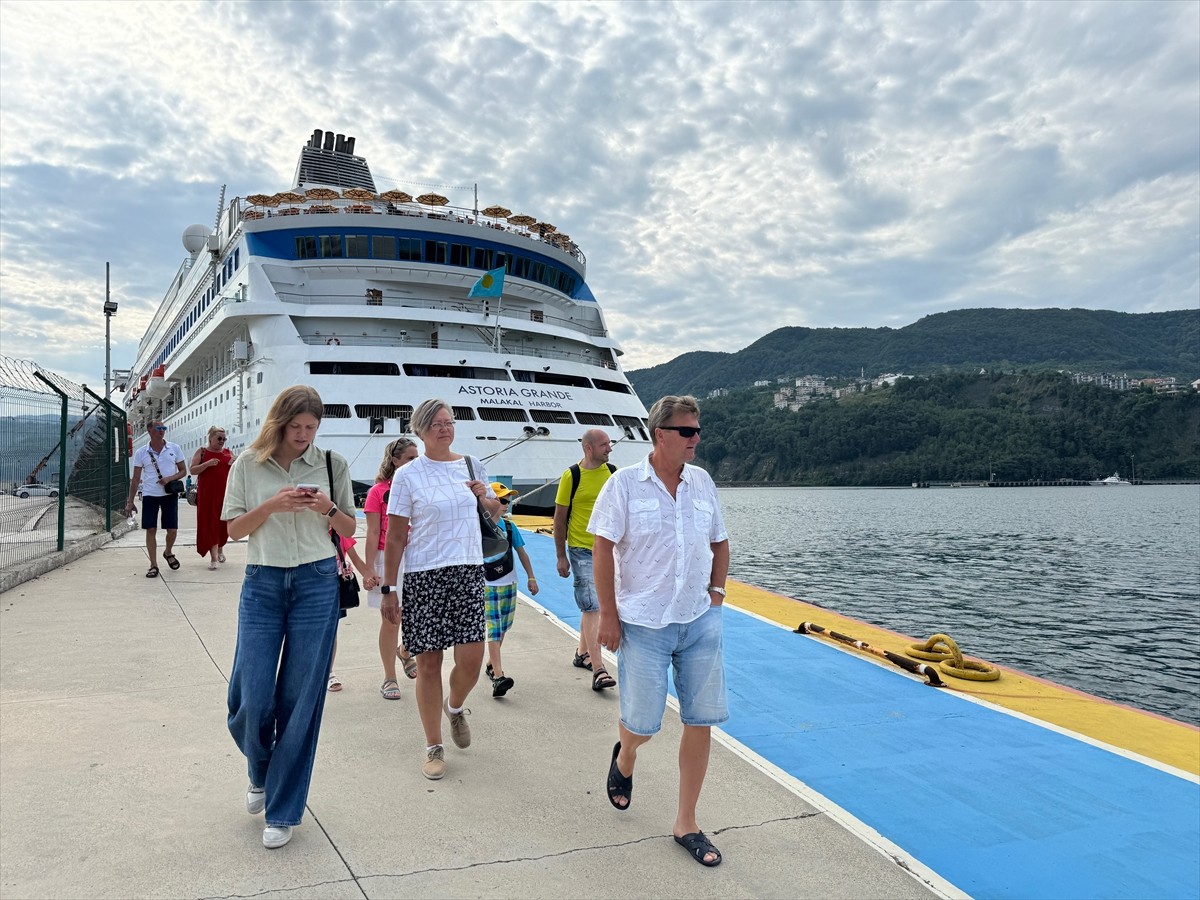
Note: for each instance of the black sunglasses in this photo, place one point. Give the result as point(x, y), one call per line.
point(685, 431)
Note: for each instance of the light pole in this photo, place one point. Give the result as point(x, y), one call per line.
point(110, 310)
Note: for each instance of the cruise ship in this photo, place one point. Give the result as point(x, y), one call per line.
point(364, 295)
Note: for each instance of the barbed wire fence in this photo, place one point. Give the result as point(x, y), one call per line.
point(64, 467)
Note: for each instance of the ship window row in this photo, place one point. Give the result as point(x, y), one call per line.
point(223, 274)
point(471, 373)
point(466, 255)
point(401, 413)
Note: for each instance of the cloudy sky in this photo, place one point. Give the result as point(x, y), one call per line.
point(728, 168)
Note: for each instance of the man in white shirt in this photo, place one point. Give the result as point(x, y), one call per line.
point(154, 466)
point(658, 525)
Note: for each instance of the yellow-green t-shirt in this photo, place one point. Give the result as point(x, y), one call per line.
point(590, 482)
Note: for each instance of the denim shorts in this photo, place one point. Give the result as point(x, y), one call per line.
point(693, 652)
point(585, 581)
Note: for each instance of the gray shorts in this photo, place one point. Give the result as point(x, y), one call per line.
point(585, 581)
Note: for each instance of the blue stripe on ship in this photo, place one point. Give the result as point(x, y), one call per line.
point(998, 806)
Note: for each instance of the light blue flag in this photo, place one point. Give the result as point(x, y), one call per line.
point(490, 285)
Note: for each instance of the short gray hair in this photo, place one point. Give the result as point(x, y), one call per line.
point(423, 415)
point(667, 408)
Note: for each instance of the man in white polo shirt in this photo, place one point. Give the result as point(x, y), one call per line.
point(659, 525)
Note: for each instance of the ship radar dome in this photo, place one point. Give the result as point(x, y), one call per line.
point(195, 238)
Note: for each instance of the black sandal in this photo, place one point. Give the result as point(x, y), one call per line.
point(602, 680)
point(153, 572)
point(582, 661)
point(619, 785)
point(171, 561)
point(698, 844)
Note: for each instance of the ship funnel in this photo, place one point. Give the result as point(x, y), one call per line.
point(329, 140)
point(340, 144)
point(315, 140)
point(350, 145)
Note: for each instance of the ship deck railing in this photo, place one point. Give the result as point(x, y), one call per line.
point(585, 357)
point(378, 300)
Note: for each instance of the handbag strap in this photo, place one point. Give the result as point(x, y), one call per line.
point(333, 535)
point(478, 500)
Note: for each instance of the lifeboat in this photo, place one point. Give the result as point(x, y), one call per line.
point(157, 387)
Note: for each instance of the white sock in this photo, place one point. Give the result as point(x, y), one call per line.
point(452, 710)
point(432, 746)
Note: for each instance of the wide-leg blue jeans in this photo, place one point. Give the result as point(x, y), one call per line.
point(287, 622)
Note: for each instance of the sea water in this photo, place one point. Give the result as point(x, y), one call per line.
point(1097, 588)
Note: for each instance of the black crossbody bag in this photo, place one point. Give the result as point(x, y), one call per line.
point(347, 581)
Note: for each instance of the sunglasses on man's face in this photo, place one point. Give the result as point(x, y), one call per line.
point(160, 427)
point(685, 431)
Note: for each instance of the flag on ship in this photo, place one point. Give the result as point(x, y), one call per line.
point(490, 285)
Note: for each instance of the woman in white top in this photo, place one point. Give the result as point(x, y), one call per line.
point(433, 528)
point(279, 494)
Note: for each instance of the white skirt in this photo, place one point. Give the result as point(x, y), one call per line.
point(374, 598)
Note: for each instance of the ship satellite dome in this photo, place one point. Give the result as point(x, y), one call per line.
point(195, 238)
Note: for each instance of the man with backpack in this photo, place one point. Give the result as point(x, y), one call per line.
point(577, 492)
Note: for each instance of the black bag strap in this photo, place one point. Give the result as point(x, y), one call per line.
point(575, 476)
point(333, 535)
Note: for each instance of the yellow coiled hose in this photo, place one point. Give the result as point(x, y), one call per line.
point(942, 649)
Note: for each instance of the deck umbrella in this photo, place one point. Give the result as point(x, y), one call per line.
point(262, 200)
point(396, 197)
point(433, 200)
point(522, 220)
point(358, 194)
point(289, 197)
point(497, 212)
point(322, 193)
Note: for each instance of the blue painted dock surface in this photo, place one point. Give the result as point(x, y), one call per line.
point(996, 805)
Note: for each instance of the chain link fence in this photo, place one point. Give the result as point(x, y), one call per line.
point(64, 466)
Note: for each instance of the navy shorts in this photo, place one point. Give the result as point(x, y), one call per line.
point(170, 511)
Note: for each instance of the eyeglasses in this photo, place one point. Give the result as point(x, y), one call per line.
point(685, 431)
point(441, 425)
point(221, 440)
point(504, 500)
point(160, 427)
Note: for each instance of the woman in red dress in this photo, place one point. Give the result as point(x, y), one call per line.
point(211, 465)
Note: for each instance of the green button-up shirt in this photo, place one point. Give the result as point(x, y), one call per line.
point(287, 540)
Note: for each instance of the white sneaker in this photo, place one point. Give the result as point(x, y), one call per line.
point(275, 836)
point(256, 800)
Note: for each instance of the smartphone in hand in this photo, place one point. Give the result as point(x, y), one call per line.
point(310, 488)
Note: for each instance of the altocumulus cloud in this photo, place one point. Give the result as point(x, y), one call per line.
point(729, 168)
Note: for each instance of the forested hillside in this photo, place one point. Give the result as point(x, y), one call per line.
point(954, 428)
point(1140, 344)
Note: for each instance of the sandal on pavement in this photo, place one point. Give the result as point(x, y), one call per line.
point(582, 661)
point(698, 844)
point(389, 693)
point(409, 662)
point(335, 683)
point(601, 680)
point(220, 556)
point(152, 572)
point(171, 561)
point(212, 565)
point(619, 785)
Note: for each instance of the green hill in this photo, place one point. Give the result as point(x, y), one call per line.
point(1138, 344)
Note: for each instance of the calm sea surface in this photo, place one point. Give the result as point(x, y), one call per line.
point(1095, 588)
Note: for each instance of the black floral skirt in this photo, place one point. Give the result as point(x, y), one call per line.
point(442, 608)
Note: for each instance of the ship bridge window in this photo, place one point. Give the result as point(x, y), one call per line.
point(463, 413)
point(460, 255)
point(306, 247)
point(337, 411)
point(350, 367)
point(435, 251)
point(552, 416)
point(484, 256)
point(614, 386)
point(552, 378)
point(629, 424)
point(400, 411)
point(502, 414)
point(383, 247)
point(331, 245)
point(357, 246)
point(410, 249)
point(591, 418)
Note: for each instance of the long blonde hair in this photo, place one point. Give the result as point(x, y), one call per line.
point(387, 468)
point(291, 402)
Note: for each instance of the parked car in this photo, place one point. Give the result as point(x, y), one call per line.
point(37, 490)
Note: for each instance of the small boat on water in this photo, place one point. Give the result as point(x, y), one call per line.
point(1111, 480)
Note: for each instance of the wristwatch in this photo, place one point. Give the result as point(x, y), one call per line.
point(713, 589)
point(332, 512)
point(386, 589)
